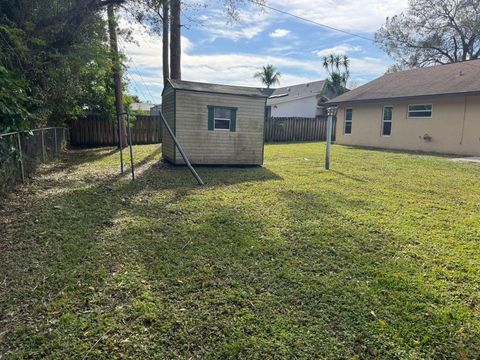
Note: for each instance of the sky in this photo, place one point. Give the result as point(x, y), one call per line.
point(216, 51)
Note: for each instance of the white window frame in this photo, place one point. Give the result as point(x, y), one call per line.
point(218, 118)
point(419, 117)
point(383, 121)
point(345, 122)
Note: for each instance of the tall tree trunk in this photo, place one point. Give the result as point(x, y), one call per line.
point(166, 23)
point(175, 41)
point(117, 75)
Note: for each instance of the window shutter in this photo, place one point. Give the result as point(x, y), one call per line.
point(211, 111)
point(233, 121)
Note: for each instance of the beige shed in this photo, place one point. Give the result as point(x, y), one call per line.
point(214, 124)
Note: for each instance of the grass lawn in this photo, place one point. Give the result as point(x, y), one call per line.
point(378, 258)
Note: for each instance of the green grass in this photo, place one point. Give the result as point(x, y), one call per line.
point(378, 258)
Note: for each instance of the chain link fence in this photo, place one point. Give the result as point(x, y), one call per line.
point(21, 152)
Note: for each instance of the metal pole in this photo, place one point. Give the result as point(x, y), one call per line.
point(43, 147)
point(120, 143)
point(329, 141)
point(55, 135)
point(192, 170)
point(131, 149)
point(21, 157)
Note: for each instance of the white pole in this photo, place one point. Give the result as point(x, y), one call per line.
point(331, 112)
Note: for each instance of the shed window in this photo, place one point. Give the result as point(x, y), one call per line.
point(222, 118)
point(420, 111)
point(348, 121)
point(387, 121)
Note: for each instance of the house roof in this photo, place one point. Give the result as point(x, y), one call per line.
point(450, 79)
point(141, 106)
point(295, 92)
point(218, 88)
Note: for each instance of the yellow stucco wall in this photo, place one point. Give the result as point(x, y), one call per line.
point(454, 126)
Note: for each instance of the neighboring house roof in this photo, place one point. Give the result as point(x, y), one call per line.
point(450, 79)
point(218, 89)
point(296, 92)
point(141, 106)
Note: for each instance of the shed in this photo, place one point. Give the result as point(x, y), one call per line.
point(214, 124)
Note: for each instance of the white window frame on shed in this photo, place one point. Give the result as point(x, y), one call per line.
point(213, 118)
point(219, 118)
point(424, 111)
point(384, 121)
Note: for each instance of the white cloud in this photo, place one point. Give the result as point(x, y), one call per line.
point(358, 16)
point(342, 49)
point(238, 68)
point(216, 25)
point(279, 33)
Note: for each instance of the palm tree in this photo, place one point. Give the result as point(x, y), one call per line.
point(269, 76)
point(338, 68)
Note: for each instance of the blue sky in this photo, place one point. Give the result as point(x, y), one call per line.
point(218, 52)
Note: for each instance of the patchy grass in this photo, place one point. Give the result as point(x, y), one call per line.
point(378, 258)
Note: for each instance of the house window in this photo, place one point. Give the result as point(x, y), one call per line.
point(222, 118)
point(348, 121)
point(387, 121)
point(420, 111)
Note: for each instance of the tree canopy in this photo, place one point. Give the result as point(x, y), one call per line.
point(433, 32)
point(55, 61)
point(338, 68)
point(55, 54)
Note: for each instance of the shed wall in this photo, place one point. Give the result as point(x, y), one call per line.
point(454, 126)
point(241, 147)
point(168, 109)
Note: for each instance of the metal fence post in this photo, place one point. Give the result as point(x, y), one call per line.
point(55, 137)
point(21, 156)
point(130, 144)
point(43, 147)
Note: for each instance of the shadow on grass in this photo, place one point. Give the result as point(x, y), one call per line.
point(162, 267)
point(399, 151)
point(349, 176)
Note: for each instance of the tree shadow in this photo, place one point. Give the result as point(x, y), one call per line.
point(165, 263)
point(348, 176)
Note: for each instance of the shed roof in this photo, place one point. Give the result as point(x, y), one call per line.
point(450, 79)
point(218, 88)
point(294, 92)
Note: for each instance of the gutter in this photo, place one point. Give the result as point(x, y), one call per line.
point(401, 98)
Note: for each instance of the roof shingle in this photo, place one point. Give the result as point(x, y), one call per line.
point(294, 92)
point(219, 89)
point(449, 79)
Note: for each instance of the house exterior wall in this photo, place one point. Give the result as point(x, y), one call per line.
point(244, 146)
point(168, 109)
point(306, 108)
point(454, 126)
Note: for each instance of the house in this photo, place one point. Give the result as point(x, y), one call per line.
point(298, 100)
point(434, 109)
point(215, 124)
point(155, 110)
point(141, 108)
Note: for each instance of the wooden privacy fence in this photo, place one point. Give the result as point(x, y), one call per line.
point(297, 129)
point(94, 130)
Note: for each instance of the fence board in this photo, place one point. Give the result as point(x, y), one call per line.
point(93, 130)
point(297, 129)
